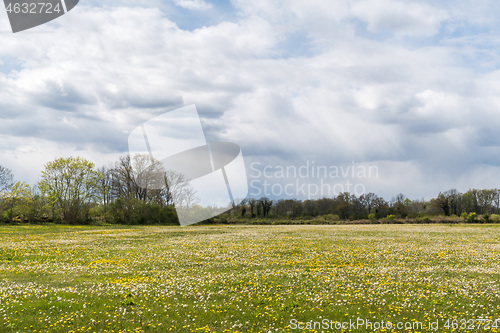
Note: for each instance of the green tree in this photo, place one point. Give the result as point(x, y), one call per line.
point(71, 186)
point(470, 201)
point(22, 202)
point(343, 204)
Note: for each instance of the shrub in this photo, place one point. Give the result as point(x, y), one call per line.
point(134, 211)
point(331, 217)
point(472, 217)
point(464, 216)
point(494, 218)
point(389, 219)
point(371, 216)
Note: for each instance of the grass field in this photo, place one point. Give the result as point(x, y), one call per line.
point(249, 278)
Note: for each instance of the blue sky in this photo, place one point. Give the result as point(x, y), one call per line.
point(411, 87)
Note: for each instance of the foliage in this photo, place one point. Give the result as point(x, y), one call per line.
point(472, 217)
point(495, 218)
point(137, 190)
point(71, 185)
point(331, 217)
point(20, 202)
point(135, 211)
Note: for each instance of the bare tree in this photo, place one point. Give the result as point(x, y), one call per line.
point(138, 177)
point(6, 179)
point(144, 178)
point(177, 190)
point(252, 203)
point(367, 201)
point(123, 182)
point(266, 206)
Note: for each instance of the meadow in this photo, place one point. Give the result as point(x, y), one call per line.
point(249, 278)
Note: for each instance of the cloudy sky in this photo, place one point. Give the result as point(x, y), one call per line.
point(410, 87)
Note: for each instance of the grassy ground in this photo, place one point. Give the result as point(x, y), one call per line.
point(248, 278)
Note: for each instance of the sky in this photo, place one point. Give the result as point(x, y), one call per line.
point(389, 96)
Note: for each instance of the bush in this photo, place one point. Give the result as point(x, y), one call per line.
point(219, 220)
point(389, 219)
point(464, 216)
point(134, 211)
point(486, 218)
point(371, 216)
point(331, 217)
point(425, 219)
point(494, 218)
point(472, 217)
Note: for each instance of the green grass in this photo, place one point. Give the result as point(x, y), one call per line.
point(245, 278)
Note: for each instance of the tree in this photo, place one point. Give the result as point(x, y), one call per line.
point(400, 205)
point(486, 200)
point(443, 203)
point(470, 201)
point(266, 206)
point(243, 209)
point(252, 203)
point(283, 207)
point(310, 208)
point(6, 179)
point(496, 199)
point(144, 178)
point(178, 190)
point(23, 202)
point(367, 202)
point(129, 178)
point(380, 207)
point(325, 206)
point(343, 204)
point(71, 185)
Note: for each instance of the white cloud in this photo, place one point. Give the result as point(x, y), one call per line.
point(403, 18)
point(414, 110)
point(193, 4)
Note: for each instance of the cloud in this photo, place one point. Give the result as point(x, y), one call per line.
point(193, 4)
point(402, 18)
point(425, 116)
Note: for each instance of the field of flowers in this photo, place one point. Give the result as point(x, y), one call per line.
point(249, 278)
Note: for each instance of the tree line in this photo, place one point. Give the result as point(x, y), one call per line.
point(136, 190)
point(346, 206)
point(133, 190)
